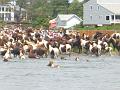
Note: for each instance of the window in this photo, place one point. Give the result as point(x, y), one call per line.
point(7, 9)
point(100, 16)
point(117, 16)
point(98, 7)
point(7, 16)
point(112, 17)
point(2, 8)
point(107, 18)
point(2, 16)
point(91, 17)
point(91, 7)
point(63, 23)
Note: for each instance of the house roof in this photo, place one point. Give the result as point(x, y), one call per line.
point(115, 8)
point(111, 5)
point(66, 17)
point(108, 1)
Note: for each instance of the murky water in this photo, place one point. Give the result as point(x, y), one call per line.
point(90, 73)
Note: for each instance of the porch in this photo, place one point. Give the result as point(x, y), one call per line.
point(115, 18)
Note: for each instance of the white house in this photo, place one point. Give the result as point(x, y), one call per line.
point(8, 11)
point(67, 20)
point(101, 12)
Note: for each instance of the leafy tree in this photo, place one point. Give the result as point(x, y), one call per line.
point(76, 7)
point(40, 21)
point(60, 6)
point(48, 9)
point(22, 4)
point(42, 11)
point(41, 8)
point(4, 1)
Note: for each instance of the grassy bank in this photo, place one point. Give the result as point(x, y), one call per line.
point(115, 27)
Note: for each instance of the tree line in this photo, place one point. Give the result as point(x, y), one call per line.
point(41, 11)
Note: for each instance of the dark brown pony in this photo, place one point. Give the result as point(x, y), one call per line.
point(97, 35)
point(31, 53)
point(2, 42)
point(41, 50)
point(77, 43)
point(37, 53)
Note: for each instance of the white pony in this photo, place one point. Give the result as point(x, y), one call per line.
point(22, 56)
point(54, 52)
point(116, 35)
point(109, 49)
point(7, 55)
point(83, 43)
point(95, 46)
point(65, 48)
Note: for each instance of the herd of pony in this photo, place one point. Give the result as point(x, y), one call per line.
point(37, 43)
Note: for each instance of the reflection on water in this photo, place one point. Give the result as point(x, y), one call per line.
point(99, 73)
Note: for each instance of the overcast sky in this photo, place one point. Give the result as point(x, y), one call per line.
point(72, 0)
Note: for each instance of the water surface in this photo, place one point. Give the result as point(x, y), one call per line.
point(89, 73)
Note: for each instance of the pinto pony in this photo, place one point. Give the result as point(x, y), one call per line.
point(65, 48)
point(54, 51)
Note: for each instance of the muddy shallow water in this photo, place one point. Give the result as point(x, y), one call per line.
point(89, 73)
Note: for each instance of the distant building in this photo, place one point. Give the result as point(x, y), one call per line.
point(101, 12)
point(8, 12)
point(67, 20)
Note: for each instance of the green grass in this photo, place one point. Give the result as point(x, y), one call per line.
point(110, 27)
